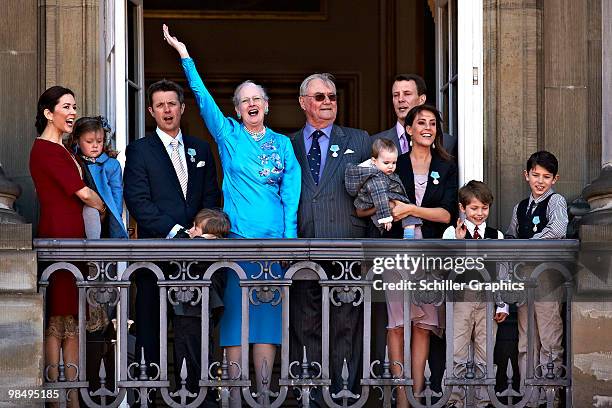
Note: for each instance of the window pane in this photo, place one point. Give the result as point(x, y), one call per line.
point(132, 42)
point(454, 38)
point(444, 112)
point(445, 38)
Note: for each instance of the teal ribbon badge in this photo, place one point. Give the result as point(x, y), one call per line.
point(191, 152)
point(435, 176)
point(334, 149)
point(535, 221)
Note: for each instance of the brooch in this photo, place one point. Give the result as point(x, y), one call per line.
point(535, 221)
point(191, 152)
point(334, 149)
point(435, 176)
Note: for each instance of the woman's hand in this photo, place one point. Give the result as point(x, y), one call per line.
point(401, 210)
point(460, 230)
point(175, 43)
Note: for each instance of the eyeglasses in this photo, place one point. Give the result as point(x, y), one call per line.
point(251, 101)
point(320, 97)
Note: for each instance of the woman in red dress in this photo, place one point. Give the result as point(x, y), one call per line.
point(61, 193)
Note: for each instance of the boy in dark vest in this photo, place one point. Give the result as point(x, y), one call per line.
point(542, 215)
point(469, 307)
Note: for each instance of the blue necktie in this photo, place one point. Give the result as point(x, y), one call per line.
point(314, 156)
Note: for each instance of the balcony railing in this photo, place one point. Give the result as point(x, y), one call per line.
point(115, 263)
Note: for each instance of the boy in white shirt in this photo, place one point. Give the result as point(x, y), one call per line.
point(469, 313)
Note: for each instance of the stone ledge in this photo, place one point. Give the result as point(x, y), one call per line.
point(21, 341)
point(596, 233)
point(15, 236)
point(18, 271)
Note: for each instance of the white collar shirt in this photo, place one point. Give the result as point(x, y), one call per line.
point(166, 140)
point(471, 227)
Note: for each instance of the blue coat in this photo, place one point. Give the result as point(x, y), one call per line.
point(106, 174)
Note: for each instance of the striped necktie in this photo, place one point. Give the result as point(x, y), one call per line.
point(181, 173)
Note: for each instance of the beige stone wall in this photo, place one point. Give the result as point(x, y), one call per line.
point(70, 49)
point(511, 57)
point(19, 87)
point(21, 320)
point(50, 42)
point(542, 91)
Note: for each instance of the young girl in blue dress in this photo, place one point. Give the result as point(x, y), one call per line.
point(102, 174)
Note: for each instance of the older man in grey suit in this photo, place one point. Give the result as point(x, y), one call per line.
point(408, 91)
point(326, 211)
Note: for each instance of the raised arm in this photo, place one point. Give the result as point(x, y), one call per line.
point(214, 119)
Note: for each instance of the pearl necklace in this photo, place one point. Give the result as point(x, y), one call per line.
point(257, 136)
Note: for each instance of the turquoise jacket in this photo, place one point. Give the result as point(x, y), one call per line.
point(261, 179)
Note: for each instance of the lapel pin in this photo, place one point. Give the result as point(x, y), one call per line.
point(535, 221)
point(435, 176)
point(191, 152)
point(334, 149)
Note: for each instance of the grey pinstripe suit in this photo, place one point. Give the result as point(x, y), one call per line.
point(326, 211)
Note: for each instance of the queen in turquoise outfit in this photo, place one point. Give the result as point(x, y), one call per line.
point(261, 191)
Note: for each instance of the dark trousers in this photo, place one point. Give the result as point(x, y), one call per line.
point(147, 322)
point(187, 346)
point(345, 335)
point(147, 318)
point(187, 337)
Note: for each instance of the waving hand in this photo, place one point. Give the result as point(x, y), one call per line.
point(175, 43)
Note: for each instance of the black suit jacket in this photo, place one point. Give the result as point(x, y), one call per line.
point(326, 210)
point(152, 190)
point(443, 194)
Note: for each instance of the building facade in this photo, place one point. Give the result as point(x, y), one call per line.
point(510, 76)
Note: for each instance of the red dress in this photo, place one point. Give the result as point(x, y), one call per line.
point(56, 179)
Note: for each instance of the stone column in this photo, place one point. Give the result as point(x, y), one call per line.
point(599, 192)
point(592, 310)
point(9, 191)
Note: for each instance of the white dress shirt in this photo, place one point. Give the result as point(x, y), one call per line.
point(166, 140)
point(449, 233)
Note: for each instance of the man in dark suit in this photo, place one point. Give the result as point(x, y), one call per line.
point(408, 91)
point(326, 211)
point(168, 178)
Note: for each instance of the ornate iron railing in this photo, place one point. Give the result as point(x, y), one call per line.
point(353, 284)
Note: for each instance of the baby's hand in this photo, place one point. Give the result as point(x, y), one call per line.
point(192, 233)
point(388, 225)
point(500, 317)
point(460, 230)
